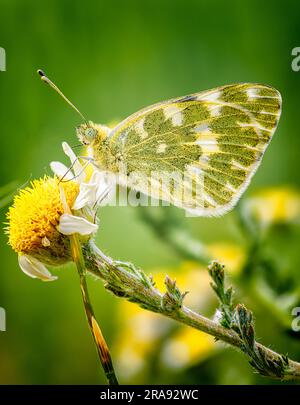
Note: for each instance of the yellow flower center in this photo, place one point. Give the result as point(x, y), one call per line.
point(33, 220)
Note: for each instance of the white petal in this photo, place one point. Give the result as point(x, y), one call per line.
point(99, 179)
point(78, 169)
point(92, 192)
point(63, 199)
point(105, 195)
point(70, 224)
point(34, 268)
point(104, 186)
point(97, 176)
point(86, 196)
point(61, 170)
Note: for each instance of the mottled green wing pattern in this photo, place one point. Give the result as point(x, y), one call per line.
point(216, 138)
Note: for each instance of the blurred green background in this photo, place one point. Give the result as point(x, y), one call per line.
point(112, 58)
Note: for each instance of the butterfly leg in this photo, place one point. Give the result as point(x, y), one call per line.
point(88, 161)
point(101, 197)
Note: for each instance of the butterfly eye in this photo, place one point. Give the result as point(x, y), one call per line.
point(90, 133)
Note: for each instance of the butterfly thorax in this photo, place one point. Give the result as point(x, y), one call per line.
point(104, 156)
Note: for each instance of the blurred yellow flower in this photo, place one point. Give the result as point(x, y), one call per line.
point(231, 255)
point(146, 334)
point(140, 333)
point(187, 347)
point(273, 205)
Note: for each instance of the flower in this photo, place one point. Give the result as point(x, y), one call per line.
point(187, 347)
point(273, 206)
point(140, 334)
point(44, 214)
point(33, 220)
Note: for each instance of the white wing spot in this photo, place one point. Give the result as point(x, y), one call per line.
point(161, 148)
point(275, 97)
point(202, 128)
point(210, 200)
point(268, 113)
point(194, 169)
point(215, 110)
point(238, 165)
point(175, 113)
point(252, 93)
point(215, 96)
point(208, 144)
point(243, 124)
point(204, 159)
point(230, 188)
point(139, 128)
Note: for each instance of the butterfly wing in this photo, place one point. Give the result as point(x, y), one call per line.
point(206, 146)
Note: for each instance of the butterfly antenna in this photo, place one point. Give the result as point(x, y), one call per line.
point(46, 80)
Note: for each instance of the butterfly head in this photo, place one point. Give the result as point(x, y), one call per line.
point(87, 133)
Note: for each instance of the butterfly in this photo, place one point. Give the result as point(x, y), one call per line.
point(197, 152)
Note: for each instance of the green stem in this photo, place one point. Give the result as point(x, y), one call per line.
point(99, 340)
